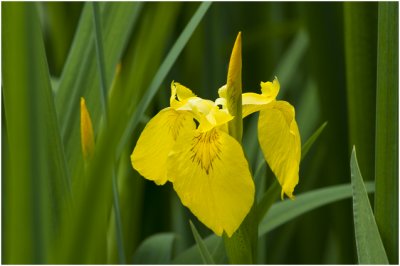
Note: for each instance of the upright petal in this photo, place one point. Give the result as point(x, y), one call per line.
point(280, 142)
point(270, 89)
point(150, 155)
point(179, 95)
point(253, 102)
point(212, 178)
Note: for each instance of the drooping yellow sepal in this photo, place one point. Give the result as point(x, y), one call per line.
point(87, 135)
point(212, 178)
point(150, 155)
point(280, 143)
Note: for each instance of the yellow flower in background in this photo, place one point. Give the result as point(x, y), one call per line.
point(206, 165)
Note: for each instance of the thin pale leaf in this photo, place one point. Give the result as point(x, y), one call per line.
point(307, 146)
point(370, 248)
point(205, 254)
point(287, 210)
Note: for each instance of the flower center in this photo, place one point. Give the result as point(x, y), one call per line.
point(206, 147)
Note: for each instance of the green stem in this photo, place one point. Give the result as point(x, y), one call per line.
point(241, 248)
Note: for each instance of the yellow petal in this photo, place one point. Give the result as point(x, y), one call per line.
point(215, 118)
point(150, 155)
point(222, 92)
point(211, 177)
point(280, 142)
point(253, 102)
point(270, 89)
point(179, 95)
point(87, 135)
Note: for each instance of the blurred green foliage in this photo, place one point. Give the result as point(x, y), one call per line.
point(329, 58)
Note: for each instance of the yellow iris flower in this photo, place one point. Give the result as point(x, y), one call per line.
point(206, 165)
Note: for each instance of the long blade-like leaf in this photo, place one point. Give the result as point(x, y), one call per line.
point(387, 130)
point(205, 254)
point(370, 248)
point(307, 146)
point(360, 42)
point(287, 210)
point(37, 184)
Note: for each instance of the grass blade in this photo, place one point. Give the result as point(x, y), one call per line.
point(116, 213)
point(370, 248)
point(192, 255)
point(287, 210)
point(307, 146)
point(360, 43)
point(118, 223)
point(387, 134)
point(205, 254)
point(291, 59)
point(100, 55)
point(38, 182)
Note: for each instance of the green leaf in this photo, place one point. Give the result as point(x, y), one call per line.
point(192, 255)
point(115, 212)
point(205, 254)
point(98, 40)
point(80, 73)
point(360, 48)
point(307, 146)
point(287, 210)
point(156, 249)
point(37, 185)
point(387, 134)
point(370, 248)
point(290, 61)
point(267, 199)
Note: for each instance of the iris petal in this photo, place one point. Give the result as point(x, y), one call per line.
point(211, 176)
point(150, 155)
point(280, 143)
point(253, 102)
